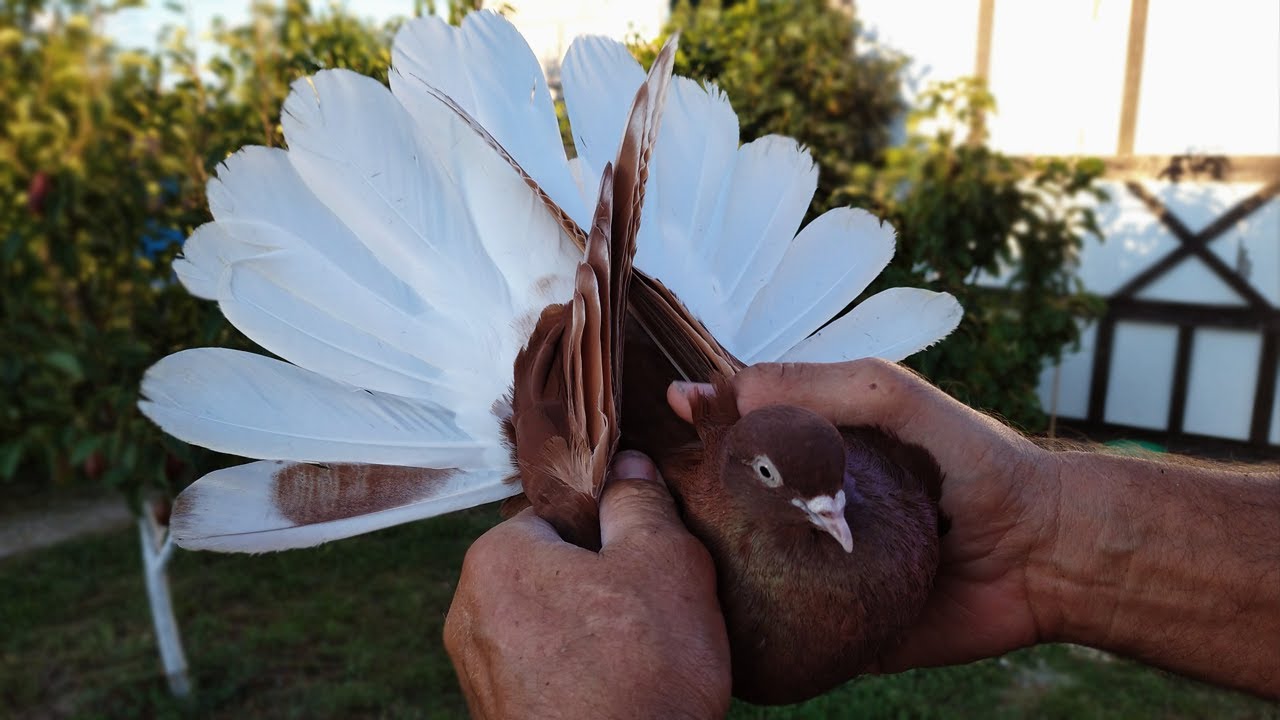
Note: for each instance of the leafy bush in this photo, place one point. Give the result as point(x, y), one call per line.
point(106, 153)
point(964, 213)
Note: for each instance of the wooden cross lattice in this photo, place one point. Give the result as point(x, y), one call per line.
point(1258, 314)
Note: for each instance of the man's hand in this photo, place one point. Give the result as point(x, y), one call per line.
point(541, 628)
point(1173, 562)
point(999, 490)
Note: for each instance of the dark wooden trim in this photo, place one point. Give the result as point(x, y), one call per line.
point(1101, 375)
point(1155, 270)
point(1132, 77)
point(986, 25)
point(1192, 168)
point(1162, 213)
point(1233, 317)
point(1197, 244)
point(1265, 391)
point(982, 65)
point(1240, 211)
point(1181, 378)
point(1227, 168)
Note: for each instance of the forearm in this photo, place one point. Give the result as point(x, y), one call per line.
point(1175, 565)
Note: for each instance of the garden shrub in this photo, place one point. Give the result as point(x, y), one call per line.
point(104, 156)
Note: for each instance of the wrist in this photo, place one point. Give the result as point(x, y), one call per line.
point(1167, 562)
point(1080, 569)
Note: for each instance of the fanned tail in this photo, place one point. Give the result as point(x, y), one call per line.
point(398, 266)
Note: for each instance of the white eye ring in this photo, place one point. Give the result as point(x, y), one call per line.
point(765, 471)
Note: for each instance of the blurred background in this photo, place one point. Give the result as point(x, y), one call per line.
point(1097, 181)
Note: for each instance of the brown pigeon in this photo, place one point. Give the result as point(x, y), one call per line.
point(450, 335)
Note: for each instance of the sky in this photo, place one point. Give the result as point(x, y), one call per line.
point(141, 26)
point(547, 25)
point(1052, 97)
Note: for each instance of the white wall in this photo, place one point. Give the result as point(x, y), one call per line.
point(1210, 84)
point(1224, 363)
point(1211, 71)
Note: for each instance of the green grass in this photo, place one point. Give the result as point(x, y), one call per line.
point(352, 630)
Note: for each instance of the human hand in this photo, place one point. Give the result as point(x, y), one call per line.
point(541, 628)
point(1000, 491)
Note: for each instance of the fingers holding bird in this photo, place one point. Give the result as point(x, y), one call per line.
point(875, 392)
point(636, 505)
point(994, 494)
point(535, 617)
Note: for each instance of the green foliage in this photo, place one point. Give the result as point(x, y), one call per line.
point(107, 153)
point(961, 209)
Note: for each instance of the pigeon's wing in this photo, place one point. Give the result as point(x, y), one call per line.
point(720, 228)
point(564, 420)
point(680, 337)
point(567, 397)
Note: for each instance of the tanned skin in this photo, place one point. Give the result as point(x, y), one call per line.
point(1174, 563)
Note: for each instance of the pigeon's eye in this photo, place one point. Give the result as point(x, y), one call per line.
point(765, 471)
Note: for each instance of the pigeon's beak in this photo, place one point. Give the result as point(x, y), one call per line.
point(827, 512)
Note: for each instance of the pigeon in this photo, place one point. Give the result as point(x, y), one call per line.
point(825, 539)
point(450, 299)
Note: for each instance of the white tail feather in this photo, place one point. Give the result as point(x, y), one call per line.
point(256, 406)
point(600, 79)
point(267, 506)
point(486, 67)
point(259, 184)
point(299, 305)
point(361, 154)
point(893, 325)
point(830, 262)
point(774, 180)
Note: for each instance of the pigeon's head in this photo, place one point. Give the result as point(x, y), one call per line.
point(792, 461)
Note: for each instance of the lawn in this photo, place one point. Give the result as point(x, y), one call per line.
point(352, 630)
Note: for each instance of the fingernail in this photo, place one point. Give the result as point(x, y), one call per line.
point(693, 389)
point(633, 465)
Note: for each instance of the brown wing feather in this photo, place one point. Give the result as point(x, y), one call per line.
point(563, 454)
point(567, 398)
point(678, 334)
point(694, 353)
point(562, 416)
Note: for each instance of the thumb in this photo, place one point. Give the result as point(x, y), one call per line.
point(635, 504)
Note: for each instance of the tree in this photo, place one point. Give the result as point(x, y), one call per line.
point(1002, 234)
point(112, 150)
